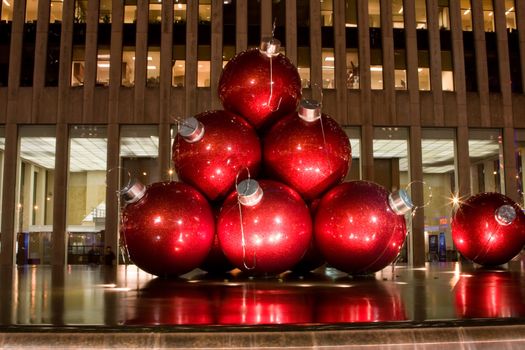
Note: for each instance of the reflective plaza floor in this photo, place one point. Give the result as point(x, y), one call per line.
point(125, 296)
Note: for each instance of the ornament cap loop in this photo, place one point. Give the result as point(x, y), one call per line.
point(133, 191)
point(191, 130)
point(309, 110)
point(249, 192)
point(400, 202)
point(505, 214)
point(270, 46)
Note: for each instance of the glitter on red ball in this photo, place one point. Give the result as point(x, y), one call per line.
point(311, 156)
point(489, 229)
point(210, 161)
point(169, 230)
point(277, 230)
point(245, 86)
point(356, 229)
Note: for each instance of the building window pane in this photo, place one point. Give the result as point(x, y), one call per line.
point(423, 70)
point(179, 66)
point(421, 14)
point(488, 15)
point(352, 69)
point(376, 69)
point(34, 206)
point(53, 53)
point(28, 54)
point(354, 173)
point(303, 65)
point(104, 13)
point(400, 73)
point(351, 13)
point(86, 194)
point(444, 14)
point(179, 11)
point(155, 11)
point(153, 67)
point(139, 152)
point(391, 164)
point(520, 163)
point(203, 74)
point(77, 71)
point(55, 11)
point(486, 161)
point(103, 67)
point(130, 11)
point(327, 13)
point(128, 67)
point(374, 13)
point(466, 15)
point(81, 11)
point(31, 10)
point(6, 11)
point(510, 14)
point(447, 72)
point(438, 153)
point(328, 69)
point(397, 14)
point(205, 11)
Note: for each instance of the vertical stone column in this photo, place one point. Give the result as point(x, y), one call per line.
point(190, 79)
point(39, 69)
point(141, 59)
point(291, 30)
point(341, 91)
point(216, 51)
point(481, 61)
point(266, 18)
point(435, 61)
point(387, 40)
point(316, 62)
point(241, 25)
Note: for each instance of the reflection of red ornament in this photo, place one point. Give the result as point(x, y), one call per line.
point(358, 227)
point(216, 261)
point(308, 151)
point(260, 85)
point(367, 301)
point(168, 302)
point(211, 149)
point(168, 227)
point(490, 294)
point(489, 229)
point(256, 305)
point(269, 232)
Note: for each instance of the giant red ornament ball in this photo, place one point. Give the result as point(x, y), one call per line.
point(359, 228)
point(489, 229)
point(260, 84)
point(211, 149)
point(264, 227)
point(168, 227)
point(307, 150)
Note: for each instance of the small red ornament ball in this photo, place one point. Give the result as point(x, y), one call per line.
point(211, 157)
point(246, 88)
point(277, 229)
point(355, 228)
point(489, 229)
point(169, 230)
point(310, 155)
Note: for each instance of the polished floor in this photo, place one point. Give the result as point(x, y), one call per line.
point(123, 298)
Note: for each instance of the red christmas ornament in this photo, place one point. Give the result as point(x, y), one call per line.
point(257, 305)
point(490, 294)
point(260, 84)
point(307, 150)
point(211, 149)
point(216, 262)
point(264, 227)
point(168, 227)
point(359, 227)
point(489, 229)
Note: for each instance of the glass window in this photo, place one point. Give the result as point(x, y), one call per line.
point(438, 152)
point(81, 7)
point(376, 69)
point(55, 11)
point(447, 72)
point(486, 161)
point(391, 164)
point(203, 66)
point(400, 73)
point(520, 162)
point(466, 15)
point(352, 69)
point(130, 11)
point(6, 11)
point(128, 67)
point(328, 69)
point(31, 10)
point(423, 70)
point(139, 150)
point(103, 67)
point(153, 68)
point(28, 52)
point(53, 51)
point(155, 11)
point(327, 13)
point(374, 13)
point(354, 173)
point(179, 11)
point(303, 65)
point(444, 14)
point(205, 11)
point(510, 14)
point(179, 66)
point(34, 203)
point(421, 14)
point(488, 15)
point(351, 13)
point(86, 194)
point(397, 14)
point(104, 13)
point(77, 71)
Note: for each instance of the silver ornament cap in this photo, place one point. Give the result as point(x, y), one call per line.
point(400, 202)
point(249, 192)
point(133, 191)
point(191, 130)
point(505, 215)
point(309, 110)
point(270, 46)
